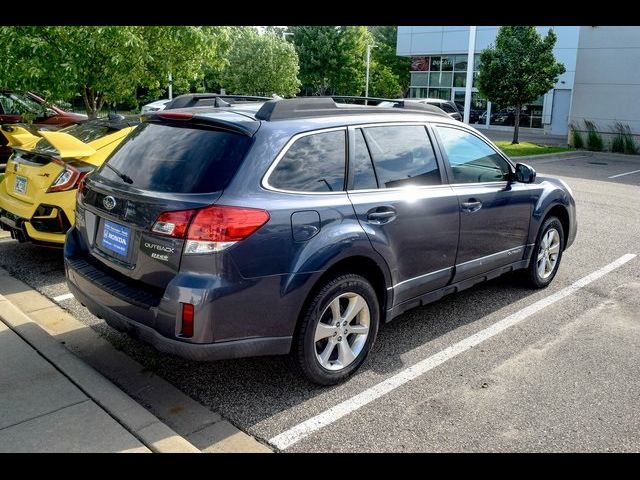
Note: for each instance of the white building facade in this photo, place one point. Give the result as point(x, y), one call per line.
point(601, 82)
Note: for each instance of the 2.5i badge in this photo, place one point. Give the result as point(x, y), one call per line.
point(157, 251)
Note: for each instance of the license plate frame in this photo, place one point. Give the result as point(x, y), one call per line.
point(116, 238)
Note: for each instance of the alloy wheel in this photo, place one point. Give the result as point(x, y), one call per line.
point(342, 331)
point(548, 253)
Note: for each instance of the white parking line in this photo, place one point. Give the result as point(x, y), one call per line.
point(60, 298)
point(306, 428)
point(623, 174)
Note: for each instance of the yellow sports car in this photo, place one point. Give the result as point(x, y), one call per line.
point(38, 192)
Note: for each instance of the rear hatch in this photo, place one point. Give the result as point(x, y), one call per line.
point(46, 165)
point(163, 166)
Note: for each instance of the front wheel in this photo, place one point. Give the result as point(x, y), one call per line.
point(547, 253)
point(338, 329)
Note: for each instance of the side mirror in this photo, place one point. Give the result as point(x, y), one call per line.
point(525, 173)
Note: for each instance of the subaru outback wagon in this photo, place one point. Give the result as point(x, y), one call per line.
point(298, 226)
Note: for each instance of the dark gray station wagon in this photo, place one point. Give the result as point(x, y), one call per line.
point(297, 226)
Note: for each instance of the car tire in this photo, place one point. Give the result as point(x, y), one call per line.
point(547, 254)
point(327, 349)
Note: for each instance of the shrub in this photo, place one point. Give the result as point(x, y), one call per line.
point(617, 142)
point(576, 137)
point(623, 140)
point(594, 139)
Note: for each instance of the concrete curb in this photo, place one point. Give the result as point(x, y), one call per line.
point(200, 426)
point(137, 420)
point(573, 153)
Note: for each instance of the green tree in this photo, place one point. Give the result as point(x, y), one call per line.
point(518, 69)
point(332, 58)
point(260, 64)
point(384, 82)
point(103, 64)
point(183, 52)
point(384, 58)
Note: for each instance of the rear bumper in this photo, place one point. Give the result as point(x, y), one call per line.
point(82, 290)
point(233, 317)
point(22, 216)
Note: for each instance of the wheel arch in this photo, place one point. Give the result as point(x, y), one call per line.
point(362, 265)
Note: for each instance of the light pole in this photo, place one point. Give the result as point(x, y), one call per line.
point(366, 88)
point(471, 50)
point(170, 86)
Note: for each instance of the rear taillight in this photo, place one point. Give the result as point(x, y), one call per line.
point(80, 192)
point(210, 229)
point(68, 178)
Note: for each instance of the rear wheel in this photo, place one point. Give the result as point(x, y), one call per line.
point(547, 253)
point(338, 329)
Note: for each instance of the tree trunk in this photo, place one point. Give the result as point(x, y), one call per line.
point(89, 98)
point(516, 127)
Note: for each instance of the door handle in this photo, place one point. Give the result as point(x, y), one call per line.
point(381, 215)
point(471, 206)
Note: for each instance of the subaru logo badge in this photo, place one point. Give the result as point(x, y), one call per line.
point(109, 202)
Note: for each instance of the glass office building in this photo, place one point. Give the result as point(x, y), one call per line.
point(439, 70)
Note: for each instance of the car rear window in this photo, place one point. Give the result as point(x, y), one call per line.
point(170, 158)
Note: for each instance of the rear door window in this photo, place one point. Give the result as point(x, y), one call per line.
point(168, 158)
point(314, 163)
point(402, 156)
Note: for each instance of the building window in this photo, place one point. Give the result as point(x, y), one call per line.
point(446, 78)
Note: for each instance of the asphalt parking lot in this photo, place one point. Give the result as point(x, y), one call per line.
point(499, 367)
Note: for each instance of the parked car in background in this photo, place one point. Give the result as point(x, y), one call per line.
point(447, 106)
point(505, 117)
point(38, 192)
point(155, 106)
point(298, 226)
point(474, 114)
point(14, 105)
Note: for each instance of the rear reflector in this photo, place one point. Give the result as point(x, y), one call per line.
point(210, 229)
point(187, 320)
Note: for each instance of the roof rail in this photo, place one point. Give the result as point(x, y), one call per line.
point(192, 99)
point(326, 106)
point(365, 99)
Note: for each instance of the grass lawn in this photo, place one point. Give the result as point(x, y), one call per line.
point(525, 148)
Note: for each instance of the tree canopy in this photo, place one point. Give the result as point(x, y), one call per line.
point(260, 64)
point(518, 69)
point(104, 63)
point(332, 58)
point(389, 73)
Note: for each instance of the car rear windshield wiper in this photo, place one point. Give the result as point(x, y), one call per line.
point(125, 178)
